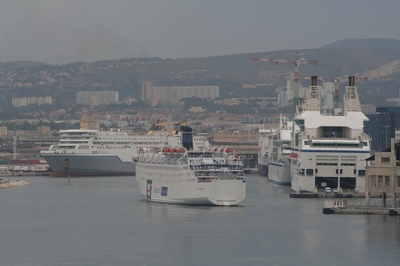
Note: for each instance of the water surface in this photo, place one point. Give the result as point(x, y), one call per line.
point(105, 221)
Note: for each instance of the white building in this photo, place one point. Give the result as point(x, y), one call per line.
point(23, 101)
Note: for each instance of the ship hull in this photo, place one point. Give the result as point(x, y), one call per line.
point(80, 165)
point(318, 167)
point(174, 188)
point(279, 174)
point(263, 169)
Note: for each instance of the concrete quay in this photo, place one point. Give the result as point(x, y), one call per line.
point(329, 195)
point(12, 183)
point(341, 207)
point(362, 210)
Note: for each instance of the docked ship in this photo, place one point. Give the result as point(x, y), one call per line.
point(187, 173)
point(87, 152)
point(279, 150)
point(329, 151)
point(263, 139)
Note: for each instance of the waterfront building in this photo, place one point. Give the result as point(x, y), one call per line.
point(235, 136)
point(383, 174)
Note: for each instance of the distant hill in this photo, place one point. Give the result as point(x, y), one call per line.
point(377, 59)
point(21, 64)
point(371, 43)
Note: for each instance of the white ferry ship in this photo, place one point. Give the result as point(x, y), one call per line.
point(329, 151)
point(85, 152)
point(279, 149)
point(263, 139)
point(188, 173)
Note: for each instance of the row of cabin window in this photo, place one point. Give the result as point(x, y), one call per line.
point(338, 171)
point(335, 164)
point(318, 144)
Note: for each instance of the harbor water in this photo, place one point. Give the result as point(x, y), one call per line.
point(105, 221)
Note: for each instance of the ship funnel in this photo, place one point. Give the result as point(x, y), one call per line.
point(351, 81)
point(314, 80)
point(187, 137)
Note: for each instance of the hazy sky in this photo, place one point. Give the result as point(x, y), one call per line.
point(65, 31)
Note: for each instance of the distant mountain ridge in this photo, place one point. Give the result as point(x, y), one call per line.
point(370, 43)
point(381, 64)
point(21, 64)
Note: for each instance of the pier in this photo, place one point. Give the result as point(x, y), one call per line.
point(341, 207)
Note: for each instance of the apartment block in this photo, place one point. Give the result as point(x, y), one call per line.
point(166, 94)
point(95, 98)
point(23, 101)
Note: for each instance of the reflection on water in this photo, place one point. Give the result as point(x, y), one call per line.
point(311, 241)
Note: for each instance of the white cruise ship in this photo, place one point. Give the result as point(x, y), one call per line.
point(188, 173)
point(330, 150)
point(279, 150)
point(85, 152)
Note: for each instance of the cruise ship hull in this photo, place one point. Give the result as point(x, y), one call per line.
point(279, 174)
point(214, 193)
point(81, 165)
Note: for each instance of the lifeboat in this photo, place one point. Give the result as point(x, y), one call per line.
point(157, 148)
point(228, 150)
point(165, 150)
point(180, 150)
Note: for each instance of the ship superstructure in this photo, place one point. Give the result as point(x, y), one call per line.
point(279, 150)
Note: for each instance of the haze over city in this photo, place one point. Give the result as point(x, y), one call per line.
point(66, 31)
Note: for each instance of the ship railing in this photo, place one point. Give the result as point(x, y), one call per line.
point(54, 147)
point(217, 167)
point(161, 161)
point(207, 179)
point(218, 173)
point(364, 136)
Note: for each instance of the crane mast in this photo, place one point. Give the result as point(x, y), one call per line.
point(298, 102)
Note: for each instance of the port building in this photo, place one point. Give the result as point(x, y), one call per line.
point(383, 175)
